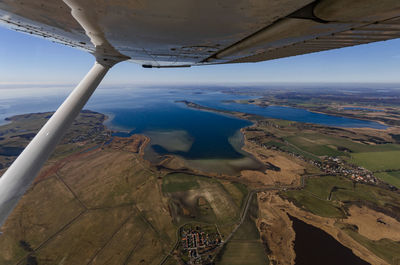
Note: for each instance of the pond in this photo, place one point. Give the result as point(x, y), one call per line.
point(315, 247)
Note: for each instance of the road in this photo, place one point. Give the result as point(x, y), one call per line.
point(244, 212)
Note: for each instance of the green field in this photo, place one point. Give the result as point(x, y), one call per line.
point(315, 196)
point(291, 149)
point(302, 153)
point(315, 205)
point(245, 247)
point(322, 186)
point(243, 253)
point(371, 194)
point(318, 148)
point(179, 182)
point(320, 144)
point(375, 161)
point(392, 178)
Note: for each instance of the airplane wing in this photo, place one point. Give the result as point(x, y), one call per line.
point(158, 33)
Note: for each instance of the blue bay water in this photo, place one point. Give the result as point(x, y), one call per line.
point(292, 114)
point(141, 110)
point(209, 131)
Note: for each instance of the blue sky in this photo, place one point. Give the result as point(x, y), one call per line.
point(25, 59)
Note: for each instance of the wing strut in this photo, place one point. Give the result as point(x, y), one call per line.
point(19, 176)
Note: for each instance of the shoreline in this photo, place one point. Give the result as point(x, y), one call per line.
point(335, 114)
point(274, 208)
point(326, 224)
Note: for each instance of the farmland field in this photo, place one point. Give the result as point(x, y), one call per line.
point(245, 247)
point(179, 182)
point(313, 146)
point(378, 160)
point(318, 206)
point(243, 253)
point(322, 196)
point(206, 199)
point(392, 177)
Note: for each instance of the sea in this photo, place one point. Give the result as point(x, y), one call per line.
point(206, 140)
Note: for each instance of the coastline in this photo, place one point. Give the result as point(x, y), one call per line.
point(344, 115)
point(274, 202)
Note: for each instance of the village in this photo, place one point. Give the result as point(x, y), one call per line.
point(198, 244)
point(335, 166)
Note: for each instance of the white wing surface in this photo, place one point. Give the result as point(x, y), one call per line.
point(191, 32)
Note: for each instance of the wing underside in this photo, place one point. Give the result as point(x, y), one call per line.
point(188, 32)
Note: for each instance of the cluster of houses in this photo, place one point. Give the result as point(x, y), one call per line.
point(199, 246)
point(335, 166)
